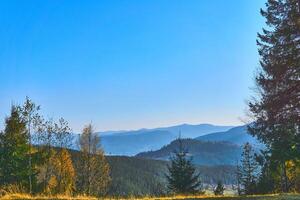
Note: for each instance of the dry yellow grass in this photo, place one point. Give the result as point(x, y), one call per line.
point(58, 197)
point(202, 197)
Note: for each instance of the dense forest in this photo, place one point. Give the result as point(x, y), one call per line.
point(152, 180)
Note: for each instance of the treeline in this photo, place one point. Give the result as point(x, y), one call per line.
point(34, 156)
point(276, 108)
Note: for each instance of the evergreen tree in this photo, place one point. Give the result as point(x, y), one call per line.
point(14, 150)
point(276, 110)
point(267, 178)
point(219, 190)
point(238, 178)
point(93, 175)
point(248, 170)
point(182, 177)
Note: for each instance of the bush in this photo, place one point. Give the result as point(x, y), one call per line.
point(219, 190)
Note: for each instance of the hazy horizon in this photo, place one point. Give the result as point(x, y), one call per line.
point(130, 65)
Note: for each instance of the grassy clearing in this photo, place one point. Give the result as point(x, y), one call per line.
point(255, 197)
point(28, 197)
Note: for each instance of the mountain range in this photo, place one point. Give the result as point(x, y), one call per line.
point(208, 144)
point(130, 143)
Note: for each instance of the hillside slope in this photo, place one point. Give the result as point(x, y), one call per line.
point(237, 135)
point(203, 152)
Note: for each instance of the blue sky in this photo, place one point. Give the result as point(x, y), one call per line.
point(130, 64)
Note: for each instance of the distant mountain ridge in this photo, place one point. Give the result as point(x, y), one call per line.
point(130, 143)
point(192, 131)
point(203, 152)
point(187, 130)
point(237, 135)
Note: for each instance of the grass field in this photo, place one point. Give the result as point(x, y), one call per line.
point(258, 197)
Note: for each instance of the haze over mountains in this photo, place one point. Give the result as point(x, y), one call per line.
point(207, 144)
point(133, 142)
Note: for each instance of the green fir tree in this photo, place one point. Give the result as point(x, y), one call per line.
point(14, 151)
point(182, 177)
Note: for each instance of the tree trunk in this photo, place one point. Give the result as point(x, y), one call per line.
point(29, 161)
point(284, 178)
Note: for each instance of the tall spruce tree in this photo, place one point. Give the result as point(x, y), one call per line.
point(14, 150)
point(248, 170)
point(277, 109)
point(182, 177)
point(238, 179)
point(266, 179)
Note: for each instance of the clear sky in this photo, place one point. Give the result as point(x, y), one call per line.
point(126, 64)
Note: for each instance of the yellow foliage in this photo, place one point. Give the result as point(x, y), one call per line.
point(58, 174)
point(65, 172)
point(293, 173)
point(52, 183)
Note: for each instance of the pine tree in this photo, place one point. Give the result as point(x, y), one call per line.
point(248, 170)
point(14, 150)
point(238, 178)
point(93, 175)
point(219, 190)
point(276, 110)
point(182, 177)
point(266, 179)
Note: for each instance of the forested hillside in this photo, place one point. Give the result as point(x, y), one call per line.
point(203, 152)
point(141, 176)
point(237, 135)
